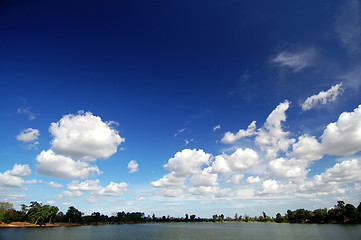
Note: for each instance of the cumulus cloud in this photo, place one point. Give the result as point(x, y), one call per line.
point(307, 148)
point(344, 136)
point(333, 179)
point(322, 97)
point(282, 164)
point(54, 185)
point(240, 161)
point(295, 60)
point(84, 136)
point(113, 189)
point(252, 179)
point(273, 187)
point(230, 137)
point(51, 164)
point(28, 135)
point(20, 170)
point(14, 177)
point(271, 137)
point(7, 180)
point(70, 194)
point(204, 178)
point(170, 180)
point(133, 166)
point(181, 166)
point(288, 168)
point(187, 161)
point(87, 185)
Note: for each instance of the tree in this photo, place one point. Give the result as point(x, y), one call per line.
point(350, 213)
point(35, 212)
point(279, 218)
point(341, 210)
point(73, 215)
point(5, 207)
point(52, 212)
point(192, 217)
point(290, 216)
point(320, 215)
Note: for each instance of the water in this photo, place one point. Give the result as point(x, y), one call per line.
point(199, 231)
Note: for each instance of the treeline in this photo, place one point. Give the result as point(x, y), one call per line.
point(341, 213)
point(40, 214)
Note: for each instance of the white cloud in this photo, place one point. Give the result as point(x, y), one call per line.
point(322, 97)
point(55, 185)
point(272, 187)
point(31, 181)
point(333, 179)
point(20, 170)
point(187, 161)
point(133, 166)
point(295, 60)
point(28, 135)
point(84, 136)
point(87, 185)
point(14, 177)
point(348, 26)
point(181, 166)
point(344, 136)
point(271, 137)
point(51, 164)
point(113, 189)
point(7, 180)
point(230, 137)
point(288, 168)
point(307, 148)
point(217, 127)
point(252, 179)
point(204, 178)
point(240, 161)
point(70, 194)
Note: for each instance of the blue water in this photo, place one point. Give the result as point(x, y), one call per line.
point(209, 231)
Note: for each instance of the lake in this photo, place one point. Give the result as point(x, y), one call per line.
point(160, 231)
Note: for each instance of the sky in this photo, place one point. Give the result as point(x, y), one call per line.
point(180, 107)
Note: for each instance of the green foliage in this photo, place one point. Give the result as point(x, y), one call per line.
point(38, 213)
point(73, 215)
point(279, 218)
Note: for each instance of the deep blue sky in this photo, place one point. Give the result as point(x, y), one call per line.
point(168, 73)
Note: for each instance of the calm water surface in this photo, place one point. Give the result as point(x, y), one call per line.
point(209, 231)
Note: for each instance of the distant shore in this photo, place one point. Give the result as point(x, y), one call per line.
point(26, 224)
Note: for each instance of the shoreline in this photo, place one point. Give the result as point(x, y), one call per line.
point(27, 224)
